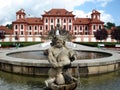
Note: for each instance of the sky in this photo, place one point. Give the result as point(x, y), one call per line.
point(109, 9)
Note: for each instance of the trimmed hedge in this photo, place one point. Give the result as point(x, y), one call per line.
point(21, 44)
point(95, 44)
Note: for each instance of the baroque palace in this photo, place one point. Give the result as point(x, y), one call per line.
point(31, 28)
point(78, 26)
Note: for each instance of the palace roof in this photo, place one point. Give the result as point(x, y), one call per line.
point(81, 21)
point(86, 21)
point(21, 11)
point(58, 12)
point(29, 21)
point(6, 30)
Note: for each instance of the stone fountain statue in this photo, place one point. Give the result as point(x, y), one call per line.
point(60, 58)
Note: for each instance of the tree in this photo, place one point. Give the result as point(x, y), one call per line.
point(109, 25)
point(9, 26)
point(101, 34)
point(115, 34)
point(2, 34)
point(118, 27)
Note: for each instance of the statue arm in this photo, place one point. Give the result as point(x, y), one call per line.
point(72, 55)
point(51, 58)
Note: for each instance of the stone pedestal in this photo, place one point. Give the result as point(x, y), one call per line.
point(71, 86)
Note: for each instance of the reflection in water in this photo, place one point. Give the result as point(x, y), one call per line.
point(18, 82)
point(109, 81)
point(39, 55)
point(9, 81)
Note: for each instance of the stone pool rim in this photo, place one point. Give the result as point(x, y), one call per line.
point(93, 66)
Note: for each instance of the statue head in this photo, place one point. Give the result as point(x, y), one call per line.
point(58, 42)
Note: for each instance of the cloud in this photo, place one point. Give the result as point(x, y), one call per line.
point(101, 3)
point(8, 8)
point(81, 14)
point(106, 17)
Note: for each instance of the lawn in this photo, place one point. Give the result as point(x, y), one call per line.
point(95, 44)
point(13, 44)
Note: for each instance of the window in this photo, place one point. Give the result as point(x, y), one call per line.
point(51, 20)
point(29, 33)
point(19, 16)
point(46, 27)
point(40, 33)
point(69, 27)
point(51, 26)
point(21, 26)
point(69, 20)
point(86, 28)
point(35, 33)
point(35, 27)
point(94, 27)
point(58, 21)
point(16, 33)
point(100, 27)
point(30, 28)
point(64, 20)
point(46, 20)
point(75, 28)
point(16, 27)
point(40, 27)
point(81, 33)
point(80, 27)
point(86, 33)
point(64, 27)
point(21, 32)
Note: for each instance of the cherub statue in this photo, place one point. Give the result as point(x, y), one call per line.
point(60, 58)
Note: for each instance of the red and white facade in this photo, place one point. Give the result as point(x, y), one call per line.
point(31, 28)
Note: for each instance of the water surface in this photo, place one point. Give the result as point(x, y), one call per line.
point(9, 81)
point(39, 55)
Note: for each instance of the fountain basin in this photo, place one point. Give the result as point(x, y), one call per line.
point(39, 55)
point(84, 67)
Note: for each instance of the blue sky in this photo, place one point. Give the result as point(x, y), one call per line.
point(109, 9)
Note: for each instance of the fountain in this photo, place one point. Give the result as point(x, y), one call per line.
point(41, 66)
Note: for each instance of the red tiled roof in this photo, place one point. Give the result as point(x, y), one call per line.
point(30, 21)
point(34, 21)
point(58, 12)
point(21, 11)
point(82, 21)
point(97, 21)
point(7, 31)
point(95, 12)
point(20, 21)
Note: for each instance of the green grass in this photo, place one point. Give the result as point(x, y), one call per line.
point(22, 44)
point(95, 44)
